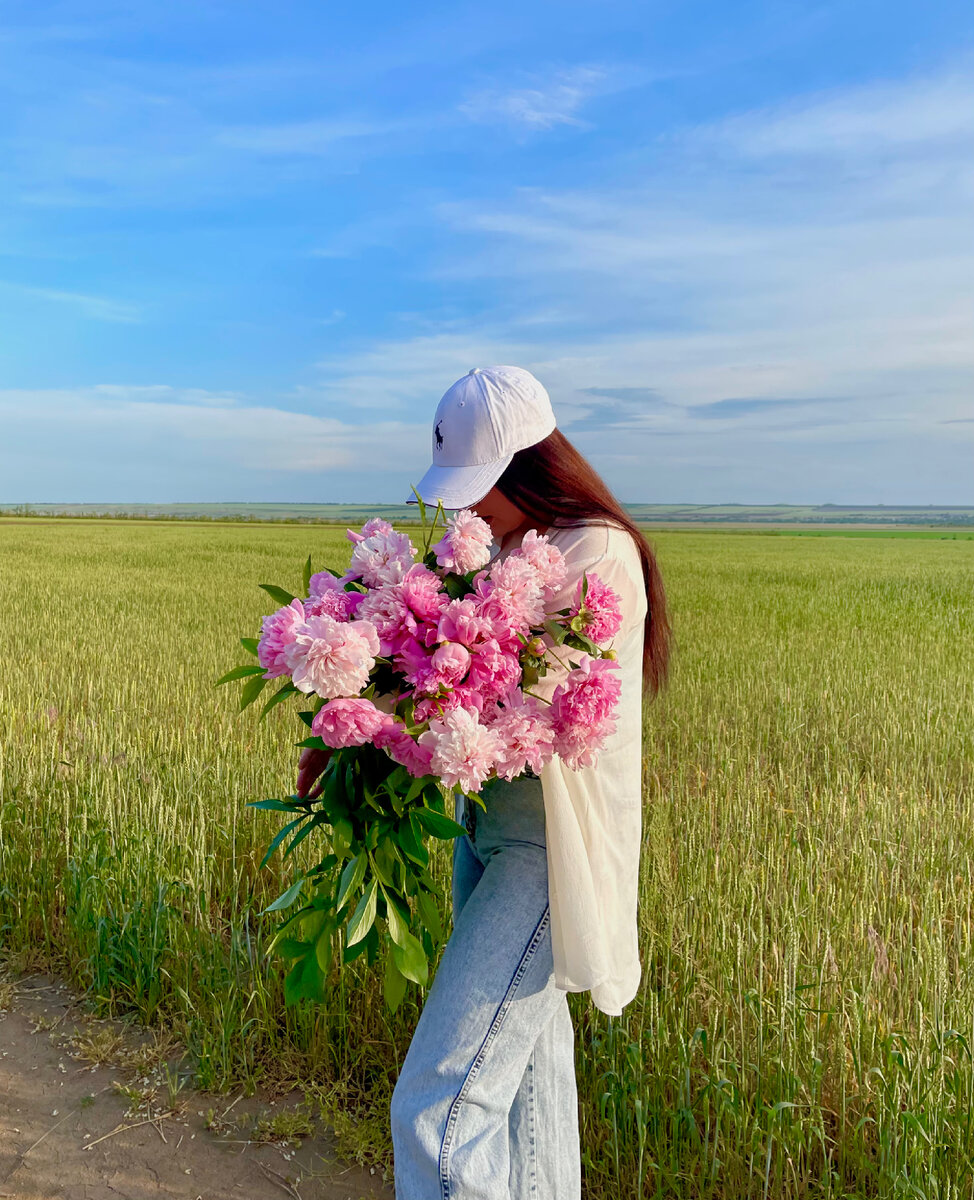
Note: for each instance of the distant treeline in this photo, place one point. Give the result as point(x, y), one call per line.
point(938, 516)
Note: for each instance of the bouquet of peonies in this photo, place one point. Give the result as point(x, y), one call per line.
point(420, 670)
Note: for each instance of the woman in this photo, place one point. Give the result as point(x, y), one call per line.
point(545, 882)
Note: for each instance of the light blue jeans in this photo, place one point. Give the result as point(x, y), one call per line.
point(486, 1107)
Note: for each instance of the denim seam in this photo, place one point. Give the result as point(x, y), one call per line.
point(446, 1146)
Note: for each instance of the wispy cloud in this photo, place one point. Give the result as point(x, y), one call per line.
point(222, 429)
point(304, 137)
point(97, 308)
point(555, 101)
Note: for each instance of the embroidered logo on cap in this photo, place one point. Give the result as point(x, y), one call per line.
point(439, 436)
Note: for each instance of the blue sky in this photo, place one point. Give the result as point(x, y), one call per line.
point(245, 248)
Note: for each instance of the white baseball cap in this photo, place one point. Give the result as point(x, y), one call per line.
point(480, 424)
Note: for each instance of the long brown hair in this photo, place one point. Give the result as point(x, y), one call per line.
point(552, 483)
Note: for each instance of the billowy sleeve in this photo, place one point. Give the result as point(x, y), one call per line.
point(593, 815)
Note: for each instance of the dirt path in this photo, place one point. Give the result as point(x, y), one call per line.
point(90, 1110)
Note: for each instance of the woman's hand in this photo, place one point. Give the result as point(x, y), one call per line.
point(311, 764)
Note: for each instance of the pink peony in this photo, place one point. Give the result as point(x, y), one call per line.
point(463, 750)
point(449, 664)
point(372, 527)
point(422, 590)
point(546, 559)
point(353, 722)
point(527, 738)
point(401, 748)
point(414, 662)
point(464, 621)
point(277, 632)
point(583, 711)
point(432, 707)
point(493, 672)
point(381, 555)
point(327, 596)
point(600, 610)
point(389, 613)
point(332, 658)
point(466, 544)
point(517, 597)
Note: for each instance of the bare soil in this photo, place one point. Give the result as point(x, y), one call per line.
point(97, 1110)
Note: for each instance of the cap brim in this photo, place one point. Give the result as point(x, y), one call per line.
point(459, 487)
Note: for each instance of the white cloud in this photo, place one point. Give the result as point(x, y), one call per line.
point(554, 102)
point(98, 308)
point(215, 428)
point(302, 137)
point(876, 118)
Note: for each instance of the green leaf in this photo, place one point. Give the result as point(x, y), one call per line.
point(250, 645)
point(393, 984)
point(277, 593)
point(351, 879)
point(342, 834)
point(239, 673)
point(578, 641)
point(312, 981)
point(307, 717)
point(398, 928)
point(292, 983)
point(301, 835)
point(430, 914)
point(281, 694)
point(456, 587)
point(352, 952)
point(364, 915)
point(584, 585)
point(251, 690)
point(306, 576)
point(314, 743)
point(556, 630)
point(410, 957)
point(277, 805)
point(278, 838)
point(437, 824)
point(411, 841)
point(286, 899)
point(325, 948)
point(291, 948)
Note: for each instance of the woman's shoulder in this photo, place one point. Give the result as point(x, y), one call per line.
point(595, 538)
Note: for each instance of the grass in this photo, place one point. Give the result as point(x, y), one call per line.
point(805, 1022)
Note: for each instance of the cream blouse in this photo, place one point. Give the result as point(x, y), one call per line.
point(593, 816)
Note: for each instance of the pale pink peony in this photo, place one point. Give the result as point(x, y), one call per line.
point(601, 610)
point(517, 597)
point(372, 527)
point(493, 671)
point(332, 658)
point(466, 544)
point(414, 662)
point(527, 738)
point(464, 621)
point(449, 664)
point(463, 750)
point(327, 596)
point(583, 711)
point(431, 707)
point(401, 748)
point(422, 590)
point(277, 632)
point(381, 555)
point(351, 722)
point(546, 559)
point(389, 613)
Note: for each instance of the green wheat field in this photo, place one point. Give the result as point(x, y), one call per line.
point(805, 1024)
